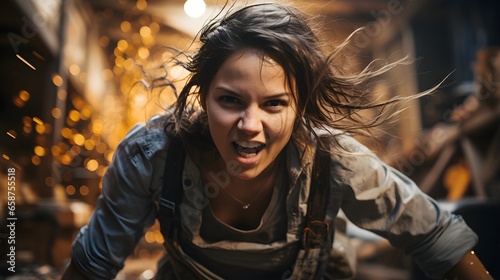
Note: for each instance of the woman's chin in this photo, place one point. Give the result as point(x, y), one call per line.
point(247, 175)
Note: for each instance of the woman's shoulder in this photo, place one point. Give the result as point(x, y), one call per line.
point(154, 135)
point(341, 141)
point(158, 123)
point(147, 137)
point(353, 163)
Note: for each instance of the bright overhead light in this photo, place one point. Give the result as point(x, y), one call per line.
point(194, 8)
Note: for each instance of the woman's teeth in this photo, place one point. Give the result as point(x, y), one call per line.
point(248, 148)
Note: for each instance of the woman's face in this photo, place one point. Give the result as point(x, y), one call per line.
point(251, 112)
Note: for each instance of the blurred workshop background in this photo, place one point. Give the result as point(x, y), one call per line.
point(71, 88)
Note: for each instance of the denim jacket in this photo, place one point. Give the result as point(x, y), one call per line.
point(375, 197)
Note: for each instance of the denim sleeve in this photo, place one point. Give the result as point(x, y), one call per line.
point(126, 207)
point(382, 200)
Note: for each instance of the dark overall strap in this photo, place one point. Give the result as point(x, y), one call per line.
point(317, 238)
point(317, 231)
point(169, 213)
point(172, 190)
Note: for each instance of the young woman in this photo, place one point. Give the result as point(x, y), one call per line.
point(267, 94)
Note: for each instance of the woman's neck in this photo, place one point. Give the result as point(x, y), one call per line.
point(267, 176)
point(239, 203)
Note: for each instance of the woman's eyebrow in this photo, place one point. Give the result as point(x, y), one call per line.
point(227, 90)
point(279, 95)
point(276, 95)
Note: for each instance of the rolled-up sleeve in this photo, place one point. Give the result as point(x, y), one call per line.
point(126, 207)
point(380, 199)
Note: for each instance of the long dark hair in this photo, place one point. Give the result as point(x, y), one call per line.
point(324, 95)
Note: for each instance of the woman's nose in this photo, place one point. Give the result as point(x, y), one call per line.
point(250, 121)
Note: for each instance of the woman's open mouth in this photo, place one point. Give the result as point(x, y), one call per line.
point(248, 149)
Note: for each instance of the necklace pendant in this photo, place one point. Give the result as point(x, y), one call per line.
point(246, 206)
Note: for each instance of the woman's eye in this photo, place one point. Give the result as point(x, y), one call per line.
point(228, 99)
point(276, 103)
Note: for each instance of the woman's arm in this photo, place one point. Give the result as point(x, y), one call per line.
point(126, 207)
point(380, 199)
point(73, 273)
point(468, 268)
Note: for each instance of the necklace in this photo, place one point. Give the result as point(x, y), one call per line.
point(245, 205)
